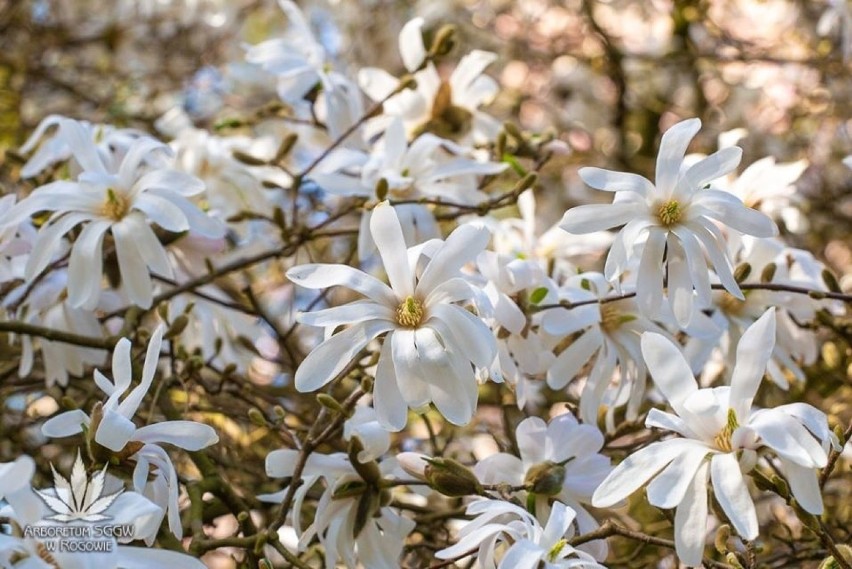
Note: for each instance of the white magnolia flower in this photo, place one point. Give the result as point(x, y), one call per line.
point(298, 60)
point(379, 540)
point(115, 430)
point(119, 194)
point(676, 216)
point(24, 509)
point(720, 434)
point(450, 109)
point(429, 167)
point(430, 343)
point(561, 459)
point(527, 545)
point(609, 335)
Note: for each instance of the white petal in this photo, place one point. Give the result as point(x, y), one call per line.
point(391, 409)
point(187, 435)
point(668, 489)
point(134, 274)
point(411, 44)
point(331, 357)
point(162, 212)
point(728, 209)
point(65, 424)
point(325, 276)
point(461, 247)
point(79, 140)
point(731, 491)
point(691, 520)
point(753, 353)
point(48, 240)
point(718, 164)
point(637, 469)
point(597, 217)
point(679, 282)
point(610, 181)
point(572, 359)
point(469, 333)
point(114, 430)
point(804, 484)
point(649, 282)
point(387, 234)
point(669, 369)
point(412, 386)
point(673, 147)
point(352, 313)
point(85, 267)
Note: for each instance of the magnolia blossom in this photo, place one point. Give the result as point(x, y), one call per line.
point(112, 427)
point(25, 509)
point(720, 435)
point(429, 167)
point(430, 343)
point(528, 545)
point(448, 108)
point(561, 459)
point(609, 336)
point(676, 216)
point(375, 540)
point(118, 194)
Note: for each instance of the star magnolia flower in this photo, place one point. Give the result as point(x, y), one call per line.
point(428, 167)
point(677, 217)
point(561, 459)
point(430, 343)
point(720, 434)
point(529, 545)
point(118, 195)
point(25, 509)
point(376, 544)
point(609, 336)
point(448, 108)
point(114, 429)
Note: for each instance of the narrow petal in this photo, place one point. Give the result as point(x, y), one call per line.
point(691, 520)
point(134, 274)
point(85, 267)
point(391, 409)
point(669, 488)
point(731, 491)
point(673, 147)
point(325, 276)
point(804, 484)
point(387, 234)
point(411, 46)
point(569, 363)
point(187, 435)
point(718, 164)
point(469, 333)
point(649, 282)
point(753, 353)
point(610, 181)
point(669, 369)
point(461, 247)
point(597, 217)
point(637, 469)
point(65, 424)
point(331, 357)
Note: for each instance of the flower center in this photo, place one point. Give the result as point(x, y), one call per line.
point(115, 206)
point(670, 213)
point(409, 313)
point(723, 439)
point(612, 318)
point(731, 304)
point(552, 555)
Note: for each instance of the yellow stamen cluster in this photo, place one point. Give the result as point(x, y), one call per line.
point(611, 317)
point(670, 213)
point(409, 313)
point(556, 550)
point(731, 304)
point(115, 206)
point(723, 439)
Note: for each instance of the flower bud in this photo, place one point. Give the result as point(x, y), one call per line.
point(286, 146)
point(177, 327)
point(382, 189)
point(444, 41)
point(368, 471)
point(451, 478)
point(413, 463)
point(830, 281)
point(248, 159)
point(768, 273)
point(545, 478)
point(723, 534)
point(742, 272)
point(256, 417)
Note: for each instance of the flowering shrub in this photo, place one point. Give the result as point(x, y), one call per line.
point(318, 315)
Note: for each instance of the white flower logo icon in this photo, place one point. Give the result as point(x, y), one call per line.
point(80, 499)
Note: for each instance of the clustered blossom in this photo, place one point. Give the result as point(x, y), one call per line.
point(370, 243)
